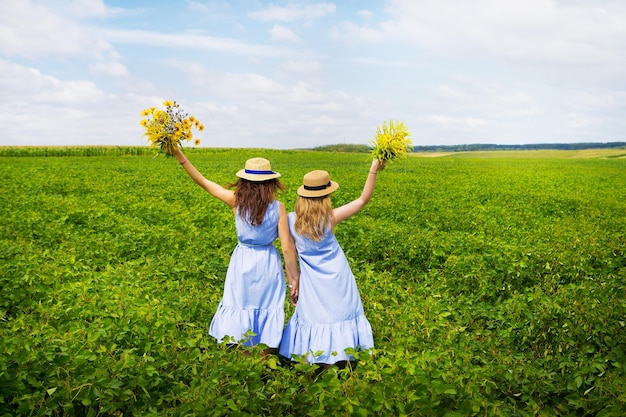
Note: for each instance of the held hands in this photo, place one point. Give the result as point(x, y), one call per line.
point(294, 292)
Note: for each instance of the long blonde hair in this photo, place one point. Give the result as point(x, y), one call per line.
point(314, 216)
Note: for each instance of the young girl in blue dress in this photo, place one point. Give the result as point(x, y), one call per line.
point(329, 316)
point(254, 289)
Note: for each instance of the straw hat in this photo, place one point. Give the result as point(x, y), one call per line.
point(257, 169)
point(317, 184)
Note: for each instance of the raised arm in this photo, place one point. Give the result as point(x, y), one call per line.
point(216, 190)
point(289, 254)
point(347, 210)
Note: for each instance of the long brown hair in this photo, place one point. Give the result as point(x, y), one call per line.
point(253, 197)
point(313, 216)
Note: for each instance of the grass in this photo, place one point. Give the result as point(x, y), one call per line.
point(494, 286)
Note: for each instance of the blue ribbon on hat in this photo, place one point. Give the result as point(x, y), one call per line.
point(254, 171)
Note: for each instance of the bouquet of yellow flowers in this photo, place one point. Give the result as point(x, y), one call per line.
point(167, 128)
point(392, 141)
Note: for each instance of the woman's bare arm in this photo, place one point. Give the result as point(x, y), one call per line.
point(289, 254)
point(216, 190)
point(342, 213)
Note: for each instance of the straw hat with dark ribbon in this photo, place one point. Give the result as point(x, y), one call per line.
point(317, 184)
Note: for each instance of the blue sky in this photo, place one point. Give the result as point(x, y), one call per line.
point(286, 74)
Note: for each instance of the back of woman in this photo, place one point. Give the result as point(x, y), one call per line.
point(254, 290)
point(326, 279)
point(263, 234)
point(329, 316)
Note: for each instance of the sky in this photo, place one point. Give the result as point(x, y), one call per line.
point(302, 74)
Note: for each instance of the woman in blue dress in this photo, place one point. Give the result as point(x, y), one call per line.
point(254, 289)
point(329, 316)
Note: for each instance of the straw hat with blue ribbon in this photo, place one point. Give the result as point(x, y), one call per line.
point(257, 169)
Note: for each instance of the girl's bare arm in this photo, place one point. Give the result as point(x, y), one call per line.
point(347, 210)
point(216, 190)
point(289, 254)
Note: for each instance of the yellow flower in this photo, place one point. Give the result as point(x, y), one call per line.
point(167, 128)
point(196, 142)
point(159, 114)
point(391, 142)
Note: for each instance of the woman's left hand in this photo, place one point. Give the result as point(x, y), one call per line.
point(377, 166)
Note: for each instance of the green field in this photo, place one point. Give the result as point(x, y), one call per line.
point(494, 283)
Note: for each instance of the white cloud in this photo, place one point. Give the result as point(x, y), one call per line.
point(578, 121)
point(471, 102)
point(190, 41)
point(535, 30)
point(459, 122)
point(39, 109)
point(30, 85)
point(293, 12)
point(598, 102)
point(365, 14)
point(282, 34)
point(69, 92)
point(246, 109)
point(303, 67)
point(305, 93)
point(208, 7)
point(455, 94)
point(349, 32)
point(80, 9)
point(231, 86)
point(35, 30)
point(391, 63)
point(228, 86)
point(113, 69)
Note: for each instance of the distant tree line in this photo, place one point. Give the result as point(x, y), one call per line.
point(479, 147)
point(532, 146)
point(344, 147)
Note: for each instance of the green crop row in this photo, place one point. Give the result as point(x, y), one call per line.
point(494, 286)
point(36, 151)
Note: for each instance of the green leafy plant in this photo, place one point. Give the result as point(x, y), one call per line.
point(494, 286)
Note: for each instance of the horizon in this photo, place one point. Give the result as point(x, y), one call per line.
point(576, 145)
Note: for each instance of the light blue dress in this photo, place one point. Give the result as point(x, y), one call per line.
point(329, 314)
point(254, 289)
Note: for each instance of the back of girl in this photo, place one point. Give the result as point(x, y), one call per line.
point(329, 315)
point(254, 289)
